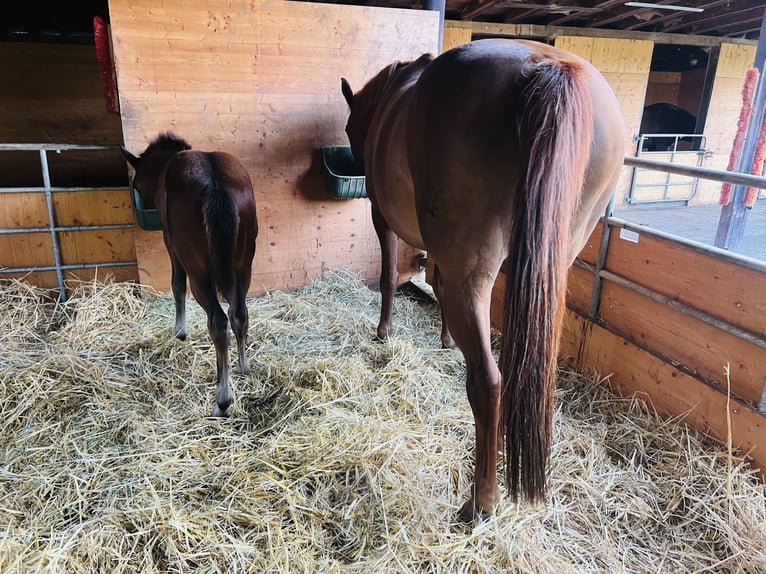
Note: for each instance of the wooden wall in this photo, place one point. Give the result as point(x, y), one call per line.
point(261, 80)
point(625, 64)
point(648, 334)
point(53, 94)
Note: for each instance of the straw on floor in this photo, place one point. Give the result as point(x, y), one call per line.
point(342, 454)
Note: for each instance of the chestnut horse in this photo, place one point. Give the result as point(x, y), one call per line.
point(206, 203)
point(495, 151)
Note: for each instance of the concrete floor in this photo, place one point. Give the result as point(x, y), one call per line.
point(700, 223)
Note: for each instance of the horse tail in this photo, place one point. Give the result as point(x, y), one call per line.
point(555, 124)
point(222, 227)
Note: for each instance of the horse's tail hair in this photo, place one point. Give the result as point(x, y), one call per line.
point(222, 227)
point(555, 119)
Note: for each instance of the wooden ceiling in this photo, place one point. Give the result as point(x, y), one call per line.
point(724, 18)
point(59, 21)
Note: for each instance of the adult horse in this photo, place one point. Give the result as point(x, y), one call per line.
point(495, 150)
point(206, 203)
point(664, 118)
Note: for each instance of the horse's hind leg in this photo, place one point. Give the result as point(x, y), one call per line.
point(389, 275)
point(240, 322)
point(466, 305)
point(447, 341)
point(218, 326)
point(178, 284)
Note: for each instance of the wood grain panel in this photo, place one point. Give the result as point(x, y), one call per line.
point(724, 290)
point(680, 339)
point(589, 253)
point(625, 65)
point(579, 289)
point(455, 34)
point(23, 210)
point(98, 207)
point(636, 372)
point(26, 250)
point(96, 246)
point(263, 82)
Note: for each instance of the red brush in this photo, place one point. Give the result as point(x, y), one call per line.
point(739, 139)
point(104, 57)
point(751, 194)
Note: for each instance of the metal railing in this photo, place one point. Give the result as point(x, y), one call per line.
point(53, 228)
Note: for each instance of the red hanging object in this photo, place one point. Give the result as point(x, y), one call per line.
point(104, 57)
point(744, 115)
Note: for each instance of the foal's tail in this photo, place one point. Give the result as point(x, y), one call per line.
point(222, 226)
point(555, 119)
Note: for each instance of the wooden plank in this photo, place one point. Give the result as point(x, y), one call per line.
point(579, 289)
point(589, 253)
point(26, 250)
point(455, 35)
point(683, 340)
point(98, 207)
point(721, 289)
point(625, 65)
point(23, 210)
point(53, 93)
point(672, 392)
point(548, 32)
point(264, 84)
point(96, 246)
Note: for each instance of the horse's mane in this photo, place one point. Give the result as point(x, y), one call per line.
point(373, 91)
point(164, 143)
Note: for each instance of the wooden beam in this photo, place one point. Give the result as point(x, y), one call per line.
point(550, 32)
point(476, 7)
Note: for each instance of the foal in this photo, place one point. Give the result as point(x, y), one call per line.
point(207, 206)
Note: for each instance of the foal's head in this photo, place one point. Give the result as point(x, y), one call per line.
point(148, 166)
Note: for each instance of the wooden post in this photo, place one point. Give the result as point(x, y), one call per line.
point(731, 225)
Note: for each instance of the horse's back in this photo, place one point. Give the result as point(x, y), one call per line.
point(464, 147)
point(191, 178)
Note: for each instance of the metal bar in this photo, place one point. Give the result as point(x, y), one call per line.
point(694, 171)
point(18, 230)
point(437, 6)
point(67, 267)
point(717, 252)
point(58, 189)
point(50, 147)
point(731, 225)
point(603, 251)
point(52, 223)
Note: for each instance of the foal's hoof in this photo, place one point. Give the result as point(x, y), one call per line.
point(218, 413)
point(448, 343)
point(181, 335)
point(469, 514)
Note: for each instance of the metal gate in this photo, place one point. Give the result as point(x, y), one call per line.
point(53, 228)
point(649, 186)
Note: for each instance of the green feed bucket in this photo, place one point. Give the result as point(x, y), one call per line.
point(148, 219)
point(340, 176)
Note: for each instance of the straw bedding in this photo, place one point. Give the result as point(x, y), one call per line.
point(342, 454)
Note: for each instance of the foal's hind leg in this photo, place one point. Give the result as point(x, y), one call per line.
point(447, 341)
point(218, 326)
point(240, 322)
point(389, 275)
point(466, 304)
point(178, 284)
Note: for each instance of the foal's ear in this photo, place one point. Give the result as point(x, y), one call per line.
point(348, 93)
point(132, 160)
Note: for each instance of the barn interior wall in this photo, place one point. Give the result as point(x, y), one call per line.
point(261, 80)
point(52, 93)
point(625, 64)
point(673, 325)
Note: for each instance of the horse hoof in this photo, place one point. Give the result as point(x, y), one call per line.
point(181, 335)
point(449, 344)
point(469, 514)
